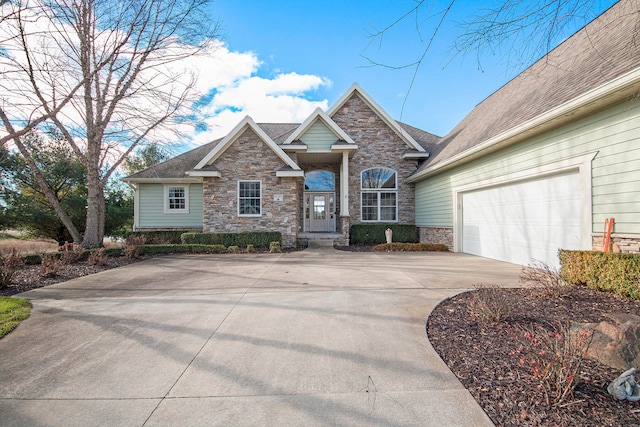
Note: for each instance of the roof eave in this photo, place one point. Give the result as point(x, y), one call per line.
point(616, 90)
point(185, 180)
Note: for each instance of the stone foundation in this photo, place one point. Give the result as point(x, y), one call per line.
point(628, 243)
point(345, 225)
point(440, 235)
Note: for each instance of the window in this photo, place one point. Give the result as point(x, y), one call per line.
point(379, 197)
point(319, 181)
point(249, 198)
point(176, 199)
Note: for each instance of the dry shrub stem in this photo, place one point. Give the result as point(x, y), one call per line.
point(9, 262)
point(545, 275)
point(489, 303)
point(50, 265)
point(133, 246)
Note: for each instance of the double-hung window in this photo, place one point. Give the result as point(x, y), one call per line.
point(379, 196)
point(176, 199)
point(249, 198)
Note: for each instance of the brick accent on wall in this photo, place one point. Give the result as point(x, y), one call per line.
point(249, 158)
point(441, 235)
point(619, 242)
point(378, 146)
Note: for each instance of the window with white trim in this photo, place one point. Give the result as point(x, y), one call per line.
point(176, 199)
point(379, 195)
point(249, 198)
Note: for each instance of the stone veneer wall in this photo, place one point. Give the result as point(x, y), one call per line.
point(619, 242)
point(249, 158)
point(440, 235)
point(378, 146)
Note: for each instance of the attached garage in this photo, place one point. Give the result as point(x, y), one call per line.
point(524, 220)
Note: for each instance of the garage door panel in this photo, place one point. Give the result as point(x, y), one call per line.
point(524, 220)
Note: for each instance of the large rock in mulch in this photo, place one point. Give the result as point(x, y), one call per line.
point(616, 342)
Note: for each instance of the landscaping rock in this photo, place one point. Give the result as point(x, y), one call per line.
point(616, 342)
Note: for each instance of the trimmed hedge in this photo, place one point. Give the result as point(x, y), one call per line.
point(410, 247)
point(618, 273)
point(258, 239)
point(160, 237)
point(371, 234)
point(32, 259)
point(182, 249)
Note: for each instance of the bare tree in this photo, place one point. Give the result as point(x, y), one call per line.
point(523, 30)
point(109, 75)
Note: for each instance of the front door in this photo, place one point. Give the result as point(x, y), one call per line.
point(321, 212)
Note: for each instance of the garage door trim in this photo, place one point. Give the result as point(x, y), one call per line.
point(580, 163)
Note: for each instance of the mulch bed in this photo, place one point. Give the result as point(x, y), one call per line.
point(481, 354)
point(30, 277)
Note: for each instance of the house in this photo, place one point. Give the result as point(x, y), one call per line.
point(536, 166)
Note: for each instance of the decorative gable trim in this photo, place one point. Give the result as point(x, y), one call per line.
point(246, 123)
point(318, 114)
point(355, 88)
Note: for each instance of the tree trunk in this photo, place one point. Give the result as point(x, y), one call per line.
point(94, 230)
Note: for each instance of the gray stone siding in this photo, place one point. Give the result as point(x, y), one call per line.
point(440, 235)
point(378, 146)
point(249, 158)
point(619, 242)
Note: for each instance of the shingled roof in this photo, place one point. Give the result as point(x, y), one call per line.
point(605, 49)
point(176, 167)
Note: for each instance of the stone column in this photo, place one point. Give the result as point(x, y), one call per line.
point(344, 185)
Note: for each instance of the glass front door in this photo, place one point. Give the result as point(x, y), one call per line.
point(320, 213)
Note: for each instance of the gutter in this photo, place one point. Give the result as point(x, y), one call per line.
point(617, 89)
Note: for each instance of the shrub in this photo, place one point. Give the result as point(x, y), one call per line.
point(489, 302)
point(257, 239)
point(114, 252)
point(160, 237)
point(617, 273)
point(544, 274)
point(32, 259)
point(250, 249)
point(554, 356)
point(97, 257)
point(182, 249)
point(410, 247)
point(9, 262)
point(50, 264)
point(133, 246)
point(274, 247)
point(71, 252)
point(233, 249)
point(371, 234)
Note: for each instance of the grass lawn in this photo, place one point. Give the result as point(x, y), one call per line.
point(12, 312)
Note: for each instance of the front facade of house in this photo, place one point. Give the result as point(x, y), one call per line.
point(536, 167)
point(346, 166)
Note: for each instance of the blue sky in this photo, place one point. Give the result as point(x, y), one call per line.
point(294, 56)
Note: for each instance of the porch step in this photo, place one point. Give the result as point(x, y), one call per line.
point(320, 243)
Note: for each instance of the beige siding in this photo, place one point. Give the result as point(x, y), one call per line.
point(151, 208)
point(614, 134)
point(319, 137)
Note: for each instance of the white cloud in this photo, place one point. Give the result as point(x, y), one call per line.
point(281, 99)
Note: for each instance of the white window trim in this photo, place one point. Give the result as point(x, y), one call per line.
point(238, 198)
point(378, 193)
point(186, 199)
point(380, 189)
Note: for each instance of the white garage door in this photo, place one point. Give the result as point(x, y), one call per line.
point(523, 221)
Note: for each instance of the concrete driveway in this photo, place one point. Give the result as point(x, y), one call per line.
point(317, 337)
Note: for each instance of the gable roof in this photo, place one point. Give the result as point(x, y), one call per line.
point(595, 67)
point(245, 124)
point(175, 168)
point(320, 115)
point(355, 88)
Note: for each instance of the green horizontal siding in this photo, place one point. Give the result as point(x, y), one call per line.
point(319, 137)
point(613, 133)
point(151, 207)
